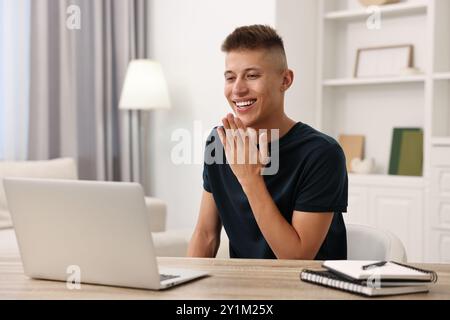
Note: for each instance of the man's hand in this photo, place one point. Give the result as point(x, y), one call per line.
point(240, 144)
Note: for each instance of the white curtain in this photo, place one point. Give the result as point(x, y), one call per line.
point(76, 79)
point(14, 78)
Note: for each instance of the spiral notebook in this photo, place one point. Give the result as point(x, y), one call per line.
point(329, 279)
point(391, 271)
point(391, 279)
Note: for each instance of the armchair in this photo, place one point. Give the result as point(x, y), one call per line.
point(167, 243)
point(52, 169)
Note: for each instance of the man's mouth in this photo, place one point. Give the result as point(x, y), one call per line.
point(244, 105)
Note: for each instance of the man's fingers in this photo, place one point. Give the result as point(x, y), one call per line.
point(263, 148)
point(229, 132)
point(252, 145)
point(242, 130)
point(230, 142)
point(237, 134)
point(240, 124)
point(253, 136)
point(231, 121)
point(241, 142)
point(226, 124)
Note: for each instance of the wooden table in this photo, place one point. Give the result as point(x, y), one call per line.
point(229, 279)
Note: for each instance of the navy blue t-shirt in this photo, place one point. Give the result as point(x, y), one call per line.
point(311, 177)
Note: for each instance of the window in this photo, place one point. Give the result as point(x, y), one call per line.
point(14, 78)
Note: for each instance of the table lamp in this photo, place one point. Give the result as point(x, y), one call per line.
point(144, 89)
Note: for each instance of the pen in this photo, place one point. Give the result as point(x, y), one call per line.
point(372, 265)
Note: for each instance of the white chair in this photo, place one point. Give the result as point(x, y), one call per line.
point(223, 252)
point(370, 243)
point(363, 243)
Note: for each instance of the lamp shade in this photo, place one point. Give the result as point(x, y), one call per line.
point(144, 87)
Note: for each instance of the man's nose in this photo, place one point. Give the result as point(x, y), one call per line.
point(239, 87)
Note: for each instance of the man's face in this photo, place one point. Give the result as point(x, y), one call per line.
point(254, 85)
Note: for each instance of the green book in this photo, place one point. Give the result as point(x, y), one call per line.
point(395, 151)
point(411, 154)
point(395, 148)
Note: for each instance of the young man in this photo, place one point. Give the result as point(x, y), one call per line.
point(295, 213)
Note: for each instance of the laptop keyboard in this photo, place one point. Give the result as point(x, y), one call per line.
point(163, 277)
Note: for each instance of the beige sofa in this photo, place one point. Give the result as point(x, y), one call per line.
point(167, 243)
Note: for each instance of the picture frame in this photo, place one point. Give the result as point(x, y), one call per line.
point(383, 61)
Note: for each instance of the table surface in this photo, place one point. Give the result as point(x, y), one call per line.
point(228, 279)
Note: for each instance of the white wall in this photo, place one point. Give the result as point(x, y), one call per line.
point(297, 23)
point(186, 37)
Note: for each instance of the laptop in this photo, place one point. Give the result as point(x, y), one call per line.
point(99, 229)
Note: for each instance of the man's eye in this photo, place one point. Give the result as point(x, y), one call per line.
point(229, 79)
point(253, 76)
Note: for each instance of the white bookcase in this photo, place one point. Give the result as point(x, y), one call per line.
point(438, 193)
point(417, 209)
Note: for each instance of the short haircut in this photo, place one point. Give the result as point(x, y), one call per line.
point(254, 37)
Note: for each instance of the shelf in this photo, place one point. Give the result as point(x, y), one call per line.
point(386, 11)
point(442, 76)
point(440, 141)
point(372, 81)
point(385, 180)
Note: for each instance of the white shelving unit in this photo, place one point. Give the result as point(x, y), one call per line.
point(343, 101)
point(442, 76)
point(383, 180)
point(370, 81)
point(387, 11)
point(374, 106)
point(441, 141)
point(437, 220)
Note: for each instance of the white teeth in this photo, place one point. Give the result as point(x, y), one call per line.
point(245, 103)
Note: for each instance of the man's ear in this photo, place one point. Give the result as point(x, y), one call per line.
point(288, 79)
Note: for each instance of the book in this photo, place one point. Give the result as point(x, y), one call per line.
point(411, 154)
point(388, 278)
point(353, 147)
point(396, 149)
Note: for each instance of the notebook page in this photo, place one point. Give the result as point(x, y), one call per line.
point(353, 269)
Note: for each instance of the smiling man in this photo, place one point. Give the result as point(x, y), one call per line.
point(295, 213)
